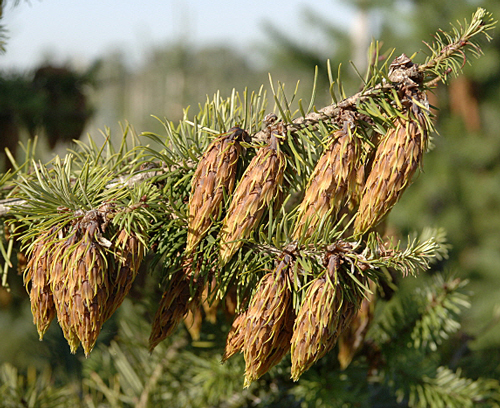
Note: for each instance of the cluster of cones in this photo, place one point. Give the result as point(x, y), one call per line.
point(215, 176)
point(75, 275)
point(271, 328)
point(351, 177)
point(80, 276)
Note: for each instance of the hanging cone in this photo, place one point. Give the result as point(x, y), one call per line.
point(175, 303)
point(214, 176)
point(399, 153)
point(332, 179)
point(324, 314)
point(37, 272)
point(89, 288)
point(235, 337)
point(268, 324)
point(352, 338)
point(59, 287)
point(128, 257)
point(259, 186)
point(396, 161)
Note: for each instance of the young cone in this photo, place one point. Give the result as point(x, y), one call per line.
point(259, 186)
point(235, 337)
point(396, 161)
point(325, 313)
point(214, 176)
point(59, 287)
point(268, 323)
point(174, 305)
point(128, 257)
point(352, 338)
point(332, 179)
point(399, 153)
point(89, 288)
point(37, 272)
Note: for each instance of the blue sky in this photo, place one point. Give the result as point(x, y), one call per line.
point(80, 31)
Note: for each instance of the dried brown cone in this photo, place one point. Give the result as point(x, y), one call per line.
point(324, 314)
point(268, 323)
point(89, 289)
point(175, 303)
point(352, 338)
point(210, 305)
point(215, 176)
point(59, 287)
point(128, 257)
point(396, 160)
point(193, 321)
point(37, 273)
point(331, 181)
point(259, 186)
point(235, 337)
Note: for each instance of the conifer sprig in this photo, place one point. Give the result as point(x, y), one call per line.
point(448, 51)
point(96, 225)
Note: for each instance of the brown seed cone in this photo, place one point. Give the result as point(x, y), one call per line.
point(174, 304)
point(235, 337)
point(193, 321)
point(332, 179)
point(210, 308)
point(37, 272)
point(352, 338)
point(325, 313)
point(259, 186)
point(128, 257)
point(268, 323)
point(62, 298)
point(214, 175)
point(396, 160)
point(88, 289)
point(230, 302)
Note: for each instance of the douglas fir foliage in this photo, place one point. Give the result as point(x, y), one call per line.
point(278, 215)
